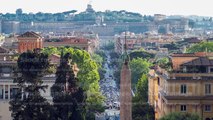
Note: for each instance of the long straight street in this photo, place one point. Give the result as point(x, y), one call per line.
point(110, 90)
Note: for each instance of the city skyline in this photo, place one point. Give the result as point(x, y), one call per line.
point(145, 7)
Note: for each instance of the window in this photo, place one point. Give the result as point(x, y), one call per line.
point(184, 69)
point(207, 89)
point(1, 93)
point(207, 108)
point(6, 94)
point(183, 108)
point(211, 70)
point(158, 81)
point(183, 89)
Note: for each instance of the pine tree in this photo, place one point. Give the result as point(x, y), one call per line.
point(68, 97)
point(28, 102)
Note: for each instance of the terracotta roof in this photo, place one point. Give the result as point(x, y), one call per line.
point(30, 34)
point(204, 61)
point(197, 54)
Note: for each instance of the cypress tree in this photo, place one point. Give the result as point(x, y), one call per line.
point(67, 95)
point(28, 102)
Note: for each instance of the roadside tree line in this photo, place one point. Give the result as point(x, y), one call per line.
point(75, 97)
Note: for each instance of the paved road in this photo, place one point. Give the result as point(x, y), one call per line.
point(111, 92)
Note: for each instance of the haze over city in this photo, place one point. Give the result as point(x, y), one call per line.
point(149, 7)
point(106, 60)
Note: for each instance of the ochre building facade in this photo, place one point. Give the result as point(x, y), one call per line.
point(188, 87)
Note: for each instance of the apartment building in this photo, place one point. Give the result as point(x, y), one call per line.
point(133, 41)
point(188, 87)
point(82, 43)
point(8, 27)
point(29, 41)
point(8, 88)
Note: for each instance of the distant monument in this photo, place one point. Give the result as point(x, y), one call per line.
point(125, 88)
point(89, 8)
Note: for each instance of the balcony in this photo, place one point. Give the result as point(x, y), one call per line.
point(191, 74)
point(50, 75)
point(186, 96)
point(9, 77)
point(191, 78)
point(6, 75)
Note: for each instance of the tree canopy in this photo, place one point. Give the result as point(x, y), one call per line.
point(68, 97)
point(180, 116)
point(141, 54)
point(28, 102)
point(164, 63)
point(88, 75)
point(172, 46)
point(201, 47)
point(142, 89)
point(138, 67)
point(143, 111)
point(117, 16)
point(97, 58)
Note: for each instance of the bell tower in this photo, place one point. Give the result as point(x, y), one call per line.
point(125, 88)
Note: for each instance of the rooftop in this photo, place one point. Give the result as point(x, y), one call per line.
point(66, 40)
point(3, 50)
point(197, 54)
point(30, 34)
point(201, 61)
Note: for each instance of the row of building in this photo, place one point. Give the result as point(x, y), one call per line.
point(157, 43)
point(30, 41)
point(187, 87)
point(162, 25)
point(151, 43)
point(8, 89)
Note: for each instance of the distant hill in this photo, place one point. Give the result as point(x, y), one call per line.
point(116, 16)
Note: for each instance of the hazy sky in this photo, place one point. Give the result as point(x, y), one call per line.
point(168, 7)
